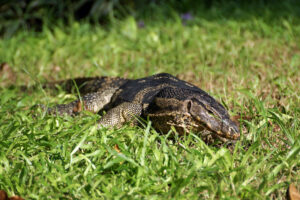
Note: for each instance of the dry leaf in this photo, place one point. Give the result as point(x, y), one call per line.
point(7, 75)
point(3, 195)
point(292, 193)
point(116, 147)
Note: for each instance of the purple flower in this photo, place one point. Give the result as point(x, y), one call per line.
point(186, 16)
point(141, 24)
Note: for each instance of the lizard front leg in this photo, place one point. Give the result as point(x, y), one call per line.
point(117, 116)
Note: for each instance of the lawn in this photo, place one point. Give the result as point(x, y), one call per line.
point(250, 63)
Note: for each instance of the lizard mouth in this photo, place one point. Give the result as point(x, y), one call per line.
point(222, 128)
point(230, 130)
point(208, 118)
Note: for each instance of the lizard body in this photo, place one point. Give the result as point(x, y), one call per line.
point(164, 99)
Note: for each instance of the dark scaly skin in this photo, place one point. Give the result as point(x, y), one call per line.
point(165, 99)
point(87, 85)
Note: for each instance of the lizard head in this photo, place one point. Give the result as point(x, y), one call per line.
point(213, 116)
point(193, 113)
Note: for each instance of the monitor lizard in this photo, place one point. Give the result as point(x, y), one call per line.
point(164, 99)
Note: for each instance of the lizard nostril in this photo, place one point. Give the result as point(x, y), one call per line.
point(189, 105)
point(210, 112)
point(234, 132)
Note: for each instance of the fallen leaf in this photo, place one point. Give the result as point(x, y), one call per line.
point(292, 193)
point(116, 147)
point(3, 195)
point(7, 75)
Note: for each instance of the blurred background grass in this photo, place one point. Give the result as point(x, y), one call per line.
point(218, 45)
point(35, 14)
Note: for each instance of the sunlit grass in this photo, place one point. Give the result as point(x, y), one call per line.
point(251, 66)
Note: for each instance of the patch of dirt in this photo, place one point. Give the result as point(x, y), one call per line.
point(7, 75)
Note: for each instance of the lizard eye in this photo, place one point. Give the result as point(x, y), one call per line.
point(194, 107)
point(197, 107)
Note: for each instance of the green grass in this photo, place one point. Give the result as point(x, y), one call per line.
point(252, 66)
